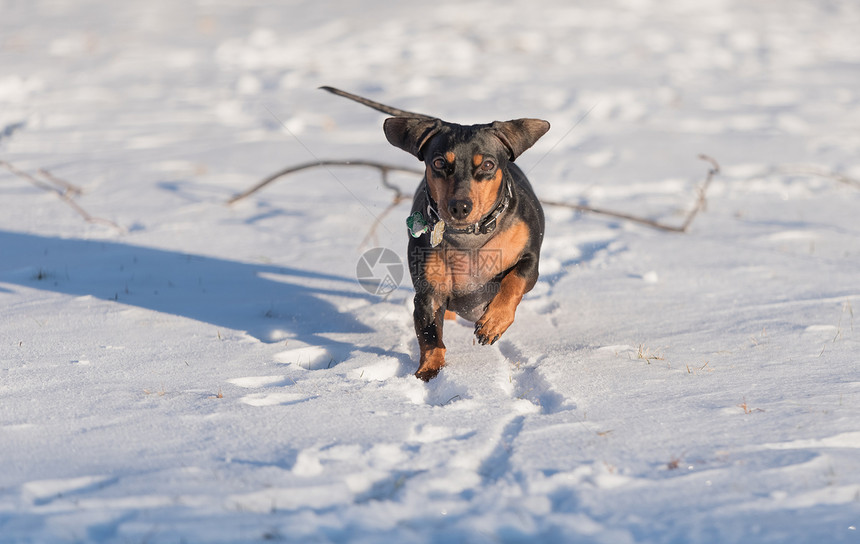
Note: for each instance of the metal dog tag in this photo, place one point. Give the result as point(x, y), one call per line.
point(437, 234)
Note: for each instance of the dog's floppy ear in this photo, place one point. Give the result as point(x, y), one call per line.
point(519, 134)
point(411, 134)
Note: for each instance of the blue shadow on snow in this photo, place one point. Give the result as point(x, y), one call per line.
point(269, 302)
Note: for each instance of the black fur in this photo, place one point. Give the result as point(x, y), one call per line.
point(460, 158)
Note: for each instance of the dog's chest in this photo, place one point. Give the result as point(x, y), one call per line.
point(456, 270)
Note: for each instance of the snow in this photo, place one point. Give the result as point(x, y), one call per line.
point(187, 371)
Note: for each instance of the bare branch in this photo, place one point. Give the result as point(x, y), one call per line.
point(371, 234)
point(25, 176)
point(62, 189)
point(700, 205)
point(809, 170)
point(383, 168)
point(399, 196)
point(618, 215)
point(65, 185)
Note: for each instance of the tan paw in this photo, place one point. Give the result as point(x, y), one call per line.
point(492, 325)
point(432, 361)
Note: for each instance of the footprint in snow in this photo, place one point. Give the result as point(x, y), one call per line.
point(307, 358)
point(380, 370)
point(253, 382)
point(272, 399)
point(268, 398)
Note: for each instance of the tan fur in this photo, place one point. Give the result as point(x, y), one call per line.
point(500, 313)
point(436, 185)
point(431, 361)
point(483, 196)
point(453, 270)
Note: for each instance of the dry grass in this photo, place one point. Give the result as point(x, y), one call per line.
point(747, 408)
point(647, 355)
point(159, 393)
point(695, 370)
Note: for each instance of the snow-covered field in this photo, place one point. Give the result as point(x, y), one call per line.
point(181, 370)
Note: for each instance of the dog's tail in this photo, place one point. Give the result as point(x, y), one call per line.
point(376, 105)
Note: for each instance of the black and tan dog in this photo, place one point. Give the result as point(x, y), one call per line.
point(476, 226)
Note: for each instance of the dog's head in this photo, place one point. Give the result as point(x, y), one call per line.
point(465, 165)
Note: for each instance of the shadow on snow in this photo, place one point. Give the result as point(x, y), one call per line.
point(271, 303)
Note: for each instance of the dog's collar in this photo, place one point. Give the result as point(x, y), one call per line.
point(485, 226)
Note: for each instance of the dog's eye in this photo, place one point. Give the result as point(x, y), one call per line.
point(488, 166)
point(439, 163)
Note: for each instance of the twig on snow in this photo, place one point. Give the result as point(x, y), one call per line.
point(700, 205)
point(810, 170)
point(67, 187)
point(62, 189)
point(399, 196)
point(371, 234)
point(383, 168)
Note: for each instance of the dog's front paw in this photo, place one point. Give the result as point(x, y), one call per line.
point(492, 325)
point(427, 374)
point(432, 361)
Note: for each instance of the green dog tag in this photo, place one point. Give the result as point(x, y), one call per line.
point(417, 225)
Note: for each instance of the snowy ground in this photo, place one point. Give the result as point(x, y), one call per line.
point(214, 373)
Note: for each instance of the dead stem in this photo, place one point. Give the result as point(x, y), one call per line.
point(399, 196)
point(63, 189)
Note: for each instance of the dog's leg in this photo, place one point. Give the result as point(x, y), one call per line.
point(500, 313)
point(429, 317)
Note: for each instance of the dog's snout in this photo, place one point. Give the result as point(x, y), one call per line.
point(459, 209)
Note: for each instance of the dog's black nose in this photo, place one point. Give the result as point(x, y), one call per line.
point(459, 209)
